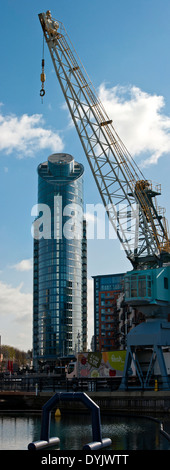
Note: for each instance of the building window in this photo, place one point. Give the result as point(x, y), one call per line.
point(142, 286)
point(165, 282)
point(134, 286)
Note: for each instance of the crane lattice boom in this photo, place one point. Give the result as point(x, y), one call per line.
point(130, 200)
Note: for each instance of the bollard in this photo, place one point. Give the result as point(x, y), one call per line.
point(57, 413)
point(156, 386)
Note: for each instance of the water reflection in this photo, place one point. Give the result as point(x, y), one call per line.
point(74, 431)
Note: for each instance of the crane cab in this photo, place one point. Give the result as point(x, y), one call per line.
point(149, 289)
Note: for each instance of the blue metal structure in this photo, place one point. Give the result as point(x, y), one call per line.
point(154, 336)
point(149, 291)
point(46, 441)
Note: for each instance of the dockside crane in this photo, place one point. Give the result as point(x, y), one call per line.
point(129, 198)
point(140, 226)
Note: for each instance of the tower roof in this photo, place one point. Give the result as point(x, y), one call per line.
point(60, 168)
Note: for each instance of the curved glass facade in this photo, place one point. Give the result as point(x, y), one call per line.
point(59, 276)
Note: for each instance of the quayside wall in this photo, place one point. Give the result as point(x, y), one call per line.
point(110, 402)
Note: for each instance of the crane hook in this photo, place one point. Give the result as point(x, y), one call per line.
point(42, 77)
point(42, 92)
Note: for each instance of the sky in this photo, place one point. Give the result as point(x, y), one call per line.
point(124, 47)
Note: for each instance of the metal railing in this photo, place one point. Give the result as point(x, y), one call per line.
point(38, 383)
point(54, 383)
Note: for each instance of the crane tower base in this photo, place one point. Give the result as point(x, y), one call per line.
point(149, 339)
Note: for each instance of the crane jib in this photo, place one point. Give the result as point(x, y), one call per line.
point(143, 232)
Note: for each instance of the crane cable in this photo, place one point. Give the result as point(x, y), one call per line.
point(42, 76)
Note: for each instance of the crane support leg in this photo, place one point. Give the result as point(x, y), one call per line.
point(162, 366)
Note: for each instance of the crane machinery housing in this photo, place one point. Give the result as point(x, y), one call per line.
point(141, 228)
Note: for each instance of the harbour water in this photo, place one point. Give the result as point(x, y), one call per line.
point(74, 431)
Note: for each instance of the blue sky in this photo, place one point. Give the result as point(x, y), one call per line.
point(124, 47)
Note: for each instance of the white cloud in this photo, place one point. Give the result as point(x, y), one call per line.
point(15, 316)
point(26, 134)
point(139, 120)
point(15, 302)
point(24, 265)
